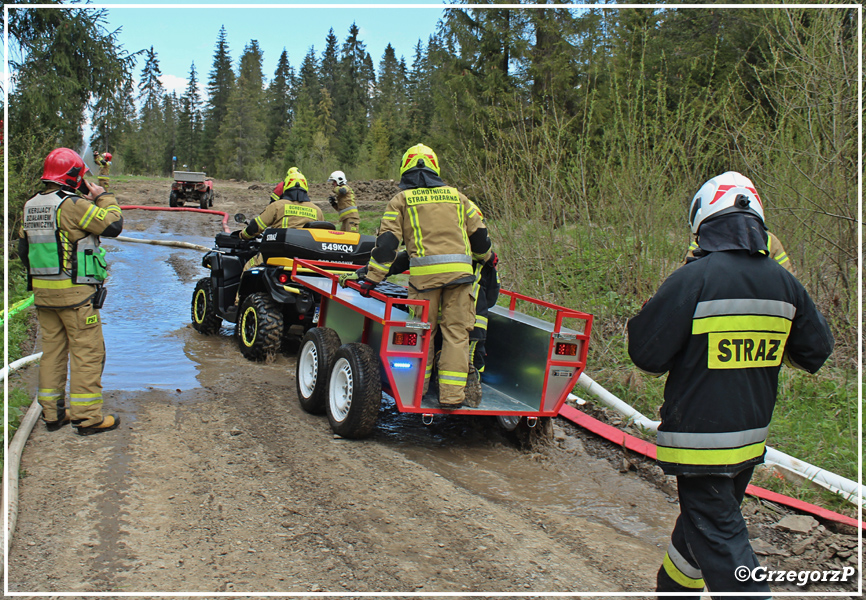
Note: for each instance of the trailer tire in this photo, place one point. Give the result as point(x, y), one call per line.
point(517, 429)
point(313, 371)
point(354, 391)
point(259, 327)
point(533, 438)
point(205, 319)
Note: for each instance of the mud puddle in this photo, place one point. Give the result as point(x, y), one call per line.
point(148, 307)
point(475, 454)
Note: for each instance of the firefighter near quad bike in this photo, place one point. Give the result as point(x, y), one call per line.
point(266, 306)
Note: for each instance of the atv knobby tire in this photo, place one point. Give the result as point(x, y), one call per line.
point(316, 357)
point(354, 391)
point(204, 316)
point(172, 199)
point(260, 327)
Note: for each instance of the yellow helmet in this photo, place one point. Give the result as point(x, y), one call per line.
point(295, 177)
point(419, 153)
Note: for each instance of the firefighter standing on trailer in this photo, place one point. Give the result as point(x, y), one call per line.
point(344, 202)
point(59, 245)
point(721, 326)
point(292, 210)
point(443, 232)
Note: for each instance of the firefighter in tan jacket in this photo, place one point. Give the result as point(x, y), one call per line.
point(59, 245)
point(103, 161)
point(344, 202)
point(291, 210)
point(443, 232)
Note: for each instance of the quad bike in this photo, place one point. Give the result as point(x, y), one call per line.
point(188, 185)
point(267, 307)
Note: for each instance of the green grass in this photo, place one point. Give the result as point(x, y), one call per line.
point(18, 325)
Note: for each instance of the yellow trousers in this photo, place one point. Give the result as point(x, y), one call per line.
point(456, 320)
point(71, 338)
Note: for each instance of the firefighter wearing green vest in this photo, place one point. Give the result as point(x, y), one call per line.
point(721, 327)
point(443, 232)
point(59, 245)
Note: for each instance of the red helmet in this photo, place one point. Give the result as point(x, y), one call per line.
point(65, 167)
point(107, 155)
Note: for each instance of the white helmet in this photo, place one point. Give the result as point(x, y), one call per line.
point(725, 193)
point(339, 177)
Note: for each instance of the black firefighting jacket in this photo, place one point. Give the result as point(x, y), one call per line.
point(721, 327)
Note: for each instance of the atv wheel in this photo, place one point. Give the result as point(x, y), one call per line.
point(354, 391)
point(202, 201)
point(314, 368)
point(260, 327)
point(204, 317)
point(172, 199)
point(210, 198)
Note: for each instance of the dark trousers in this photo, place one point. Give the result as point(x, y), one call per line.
point(710, 539)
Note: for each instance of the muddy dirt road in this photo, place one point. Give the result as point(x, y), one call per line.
point(217, 481)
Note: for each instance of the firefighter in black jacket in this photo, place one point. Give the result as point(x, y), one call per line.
point(721, 327)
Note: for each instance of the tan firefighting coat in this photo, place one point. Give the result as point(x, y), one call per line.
point(347, 209)
point(283, 214)
point(443, 232)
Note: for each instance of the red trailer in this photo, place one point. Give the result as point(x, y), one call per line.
point(364, 346)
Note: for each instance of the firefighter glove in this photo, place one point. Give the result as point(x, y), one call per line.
point(333, 201)
point(345, 278)
point(367, 286)
point(493, 260)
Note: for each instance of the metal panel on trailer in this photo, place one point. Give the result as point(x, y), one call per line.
point(516, 364)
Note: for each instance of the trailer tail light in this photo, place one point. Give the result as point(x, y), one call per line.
point(283, 278)
point(563, 349)
point(404, 338)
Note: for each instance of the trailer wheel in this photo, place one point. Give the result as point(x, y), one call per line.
point(172, 199)
point(533, 438)
point(318, 348)
point(260, 327)
point(204, 316)
point(354, 391)
point(526, 437)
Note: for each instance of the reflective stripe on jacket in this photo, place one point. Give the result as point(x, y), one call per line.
point(283, 214)
point(435, 224)
point(721, 327)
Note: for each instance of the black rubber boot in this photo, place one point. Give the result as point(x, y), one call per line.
point(55, 425)
point(107, 424)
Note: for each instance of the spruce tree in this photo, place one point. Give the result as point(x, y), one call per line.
point(220, 83)
point(152, 130)
point(281, 99)
point(241, 143)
